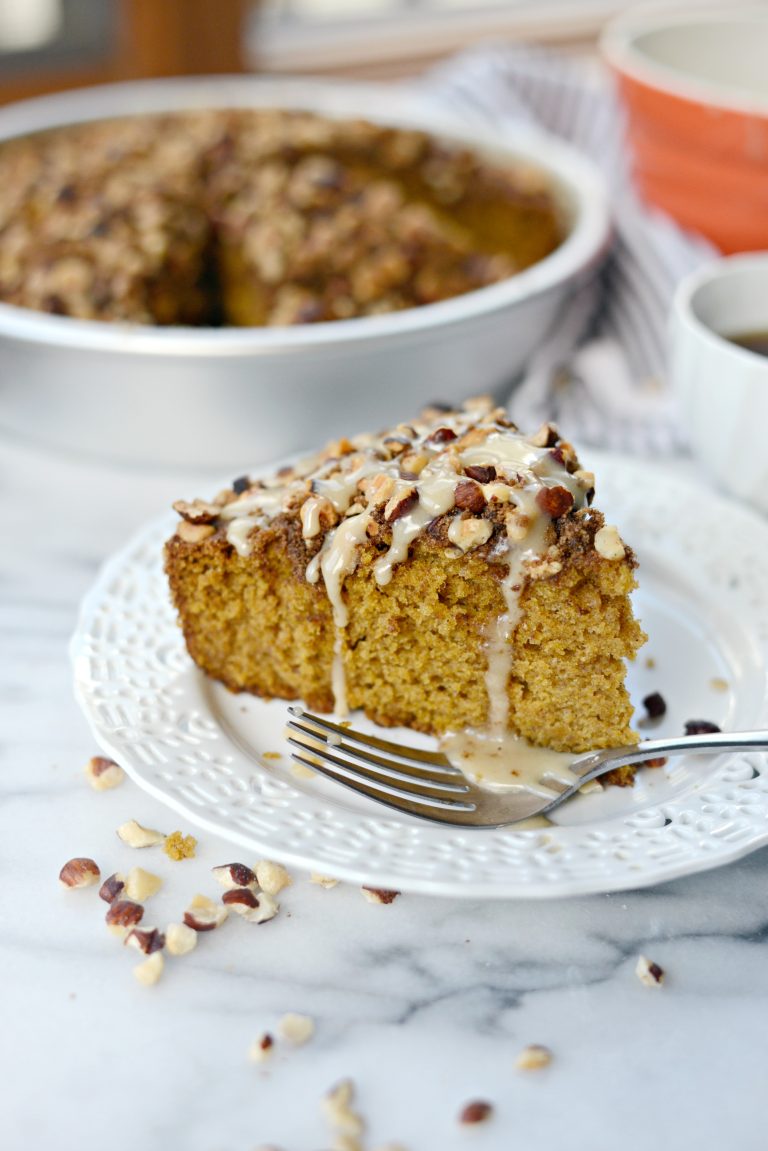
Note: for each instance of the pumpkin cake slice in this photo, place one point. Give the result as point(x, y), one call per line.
point(444, 575)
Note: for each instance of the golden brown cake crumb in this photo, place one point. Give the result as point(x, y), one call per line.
point(178, 846)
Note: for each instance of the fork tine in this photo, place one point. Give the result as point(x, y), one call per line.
point(368, 767)
point(409, 754)
point(400, 769)
point(452, 816)
point(379, 789)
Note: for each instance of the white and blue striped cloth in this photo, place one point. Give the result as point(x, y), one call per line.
point(602, 374)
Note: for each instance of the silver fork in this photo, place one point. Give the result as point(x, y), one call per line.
point(427, 785)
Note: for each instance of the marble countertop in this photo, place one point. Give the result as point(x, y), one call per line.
point(424, 1003)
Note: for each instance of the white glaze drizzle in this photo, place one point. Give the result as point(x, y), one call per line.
point(509, 762)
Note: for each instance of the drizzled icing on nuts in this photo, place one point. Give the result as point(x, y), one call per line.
point(496, 488)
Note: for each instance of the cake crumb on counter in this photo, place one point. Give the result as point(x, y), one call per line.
point(178, 846)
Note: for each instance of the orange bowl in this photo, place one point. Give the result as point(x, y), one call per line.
point(695, 87)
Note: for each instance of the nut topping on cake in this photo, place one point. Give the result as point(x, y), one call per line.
point(469, 497)
point(608, 543)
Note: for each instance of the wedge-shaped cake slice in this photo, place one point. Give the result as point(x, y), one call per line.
point(447, 574)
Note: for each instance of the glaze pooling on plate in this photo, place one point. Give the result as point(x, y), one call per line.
point(202, 750)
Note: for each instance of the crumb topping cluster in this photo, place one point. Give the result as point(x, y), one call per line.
point(252, 217)
point(459, 476)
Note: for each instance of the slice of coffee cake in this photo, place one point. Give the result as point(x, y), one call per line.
point(446, 574)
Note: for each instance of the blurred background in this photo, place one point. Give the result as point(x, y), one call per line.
point(48, 45)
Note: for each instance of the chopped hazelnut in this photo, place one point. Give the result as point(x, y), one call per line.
point(194, 533)
point(323, 880)
point(377, 489)
point(79, 872)
point(150, 970)
point(272, 877)
point(180, 939)
point(469, 533)
point(146, 939)
point(517, 523)
point(232, 875)
point(112, 887)
point(103, 773)
point(649, 972)
point(261, 1049)
point(477, 1111)
point(204, 915)
point(337, 1104)
point(134, 835)
point(400, 504)
point(441, 436)
point(469, 497)
point(124, 913)
point(608, 543)
point(296, 1029)
point(484, 474)
point(379, 895)
point(250, 906)
point(546, 437)
point(533, 1058)
point(196, 511)
point(141, 884)
point(556, 502)
point(412, 464)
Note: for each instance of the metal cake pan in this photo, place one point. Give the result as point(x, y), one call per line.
point(218, 397)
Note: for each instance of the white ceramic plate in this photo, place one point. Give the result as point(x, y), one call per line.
point(209, 754)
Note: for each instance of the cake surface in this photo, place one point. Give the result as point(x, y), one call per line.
point(447, 574)
point(257, 217)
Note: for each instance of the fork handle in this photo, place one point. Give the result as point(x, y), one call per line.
point(596, 763)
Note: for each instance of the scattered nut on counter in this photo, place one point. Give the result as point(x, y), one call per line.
point(337, 1105)
point(649, 972)
point(261, 1049)
point(178, 846)
point(79, 872)
point(123, 914)
point(134, 835)
point(204, 915)
point(150, 970)
point(141, 884)
point(533, 1058)
point(103, 773)
point(112, 886)
point(250, 906)
point(379, 895)
point(272, 877)
point(180, 939)
point(146, 939)
point(478, 1111)
point(296, 1029)
point(232, 875)
point(323, 880)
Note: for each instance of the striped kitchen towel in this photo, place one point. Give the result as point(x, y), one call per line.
point(602, 373)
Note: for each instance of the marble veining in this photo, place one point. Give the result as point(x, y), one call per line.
point(425, 1003)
